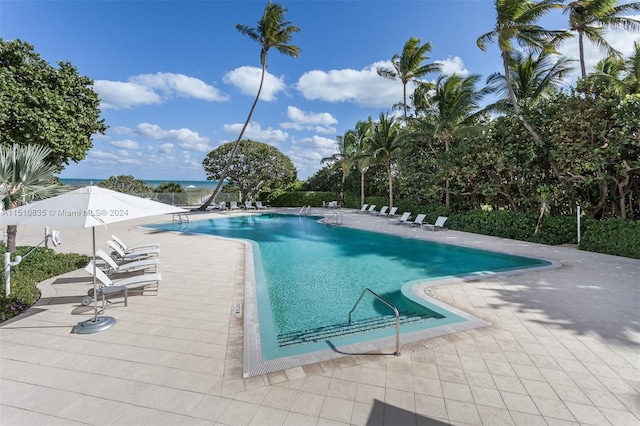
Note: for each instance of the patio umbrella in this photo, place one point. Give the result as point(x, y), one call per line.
point(87, 207)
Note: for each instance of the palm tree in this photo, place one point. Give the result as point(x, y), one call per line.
point(25, 175)
point(516, 21)
point(360, 137)
point(408, 66)
point(620, 76)
point(532, 76)
point(454, 111)
point(385, 147)
point(272, 32)
point(589, 18)
point(342, 159)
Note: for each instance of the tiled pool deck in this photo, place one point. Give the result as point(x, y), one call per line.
point(563, 347)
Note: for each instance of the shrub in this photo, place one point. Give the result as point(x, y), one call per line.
point(39, 265)
point(612, 236)
point(302, 198)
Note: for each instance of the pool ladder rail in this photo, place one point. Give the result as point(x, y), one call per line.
point(305, 210)
point(334, 218)
point(395, 311)
point(180, 218)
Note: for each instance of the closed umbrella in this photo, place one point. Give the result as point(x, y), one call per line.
point(87, 207)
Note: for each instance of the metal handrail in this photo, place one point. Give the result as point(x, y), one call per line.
point(303, 212)
point(180, 218)
point(335, 218)
point(395, 311)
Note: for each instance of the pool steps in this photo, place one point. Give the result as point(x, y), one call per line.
point(345, 329)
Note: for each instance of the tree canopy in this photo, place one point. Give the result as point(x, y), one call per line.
point(44, 105)
point(126, 183)
point(256, 167)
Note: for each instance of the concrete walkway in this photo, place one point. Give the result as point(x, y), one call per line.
point(563, 347)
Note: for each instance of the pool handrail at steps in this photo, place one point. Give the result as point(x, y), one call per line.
point(395, 311)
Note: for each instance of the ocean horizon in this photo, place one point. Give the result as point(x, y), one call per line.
point(185, 184)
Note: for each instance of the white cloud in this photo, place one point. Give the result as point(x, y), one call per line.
point(179, 85)
point(247, 80)
point(308, 153)
point(453, 65)
point(362, 87)
point(143, 90)
point(319, 122)
point(255, 132)
point(166, 148)
point(123, 95)
point(184, 138)
point(126, 144)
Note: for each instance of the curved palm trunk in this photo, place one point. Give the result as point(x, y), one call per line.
point(583, 69)
point(344, 178)
point(237, 144)
point(447, 196)
point(404, 99)
point(514, 100)
point(362, 172)
point(388, 164)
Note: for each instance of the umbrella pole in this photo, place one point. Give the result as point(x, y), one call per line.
point(95, 284)
point(97, 323)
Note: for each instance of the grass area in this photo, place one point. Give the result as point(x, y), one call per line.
point(39, 265)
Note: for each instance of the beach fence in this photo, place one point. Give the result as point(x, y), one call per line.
point(188, 198)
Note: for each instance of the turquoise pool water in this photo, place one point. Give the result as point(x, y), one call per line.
point(309, 276)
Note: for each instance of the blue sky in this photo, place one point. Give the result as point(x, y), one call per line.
point(176, 79)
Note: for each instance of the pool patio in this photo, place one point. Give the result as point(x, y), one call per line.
point(563, 346)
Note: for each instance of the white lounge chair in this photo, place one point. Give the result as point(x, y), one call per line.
point(403, 219)
point(393, 211)
point(137, 283)
point(259, 205)
point(382, 212)
point(222, 205)
point(363, 209)
point(436, 226)
point(233, 205)
point(417, 221)
point(371, 209)
point(129, 249)
point(121, 256)
point(138, 265)
point(248, 205)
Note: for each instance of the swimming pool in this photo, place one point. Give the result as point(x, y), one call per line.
point(309, 275)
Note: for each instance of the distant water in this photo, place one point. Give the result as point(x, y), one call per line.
point(199, 184)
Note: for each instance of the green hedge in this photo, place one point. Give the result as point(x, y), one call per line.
point(302, 198)
point(38, 266)
point(613, 236)
point(555, 230)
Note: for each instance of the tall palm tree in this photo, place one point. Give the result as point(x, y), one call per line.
point(361, 140)
point(25, 175)
point(590, 18)
point(409, 66)
point(272, 32)
point(385, 147)
point(516, 21)
point(532, 76)
point(455, 108)
point(343, 159)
